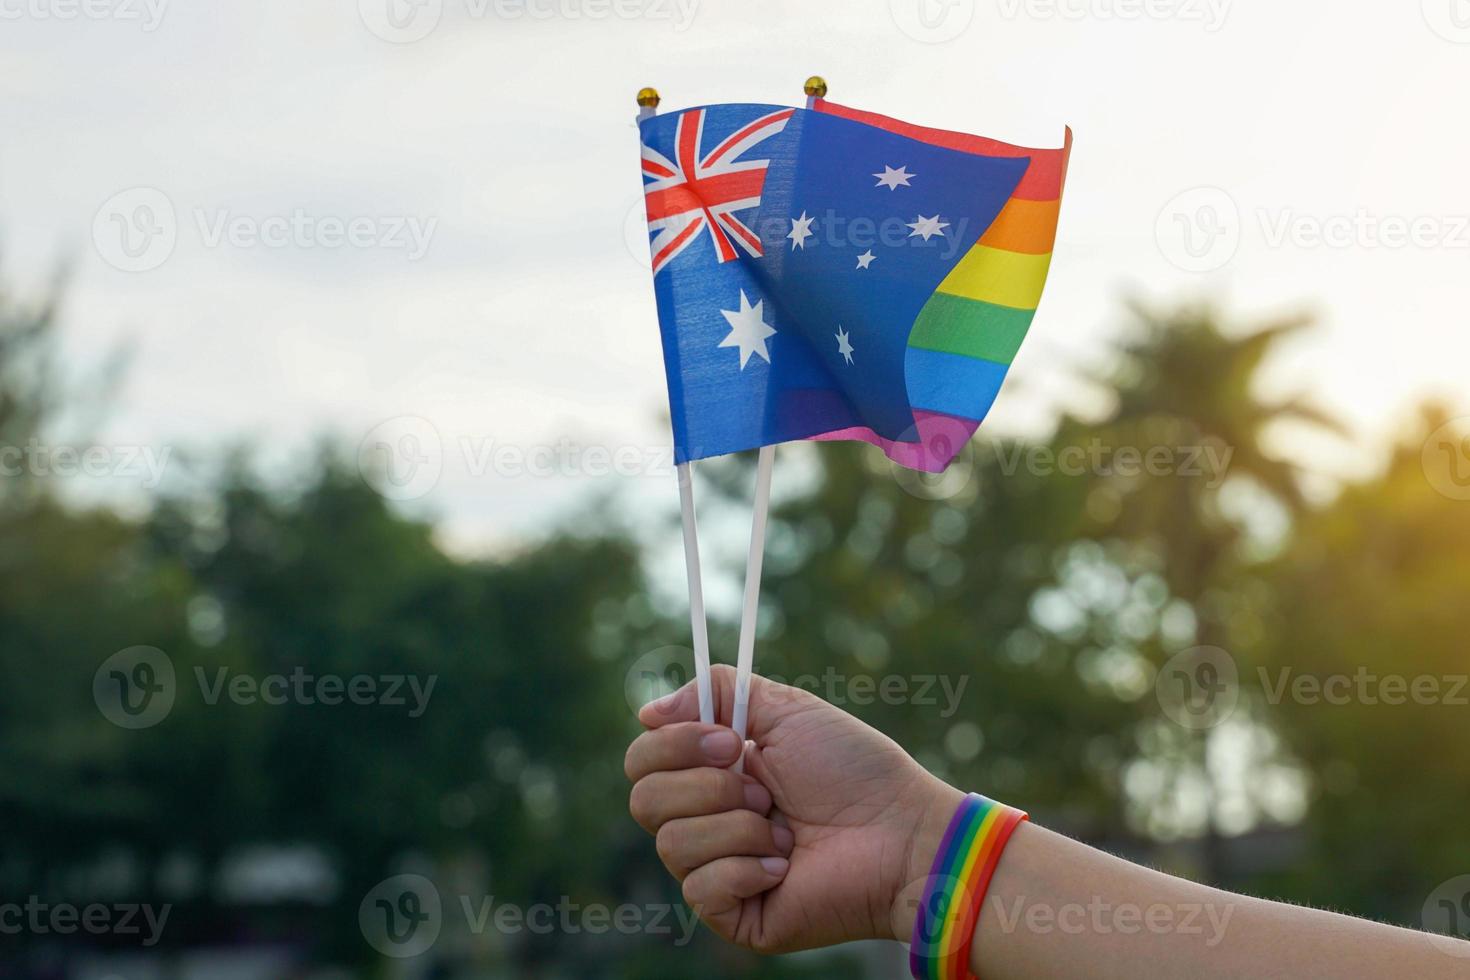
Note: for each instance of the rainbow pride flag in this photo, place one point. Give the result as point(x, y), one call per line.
point(969, 331)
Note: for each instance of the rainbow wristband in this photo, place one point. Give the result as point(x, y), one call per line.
point(965, 863)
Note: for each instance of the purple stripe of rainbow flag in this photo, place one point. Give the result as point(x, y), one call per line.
point(966, 336)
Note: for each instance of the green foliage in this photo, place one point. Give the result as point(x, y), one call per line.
point(1022, 613)
point(1373, 587)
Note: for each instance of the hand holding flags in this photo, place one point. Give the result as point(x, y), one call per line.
point(826, 273)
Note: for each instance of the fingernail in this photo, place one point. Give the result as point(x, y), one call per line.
point(666, 704)
point(783, 838)
point(720, 746)
point(775, 866)
point(757, 798)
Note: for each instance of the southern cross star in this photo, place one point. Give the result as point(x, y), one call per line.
point(748, 330)
point(801, 230)
point(844, 346)
point(928, 227)
point(894, 179)
point(866, 259)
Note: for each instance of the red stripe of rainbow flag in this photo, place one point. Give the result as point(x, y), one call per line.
point(968, 333)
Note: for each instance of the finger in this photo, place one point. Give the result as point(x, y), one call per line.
point(686, 746)
point(681, 705)
point(717, 890)
point(691, 842)
point(663, 796)
point(769, 702)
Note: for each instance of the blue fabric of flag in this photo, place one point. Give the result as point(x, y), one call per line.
point(803, 328)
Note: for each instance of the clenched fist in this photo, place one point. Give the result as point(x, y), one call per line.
point(827, 836)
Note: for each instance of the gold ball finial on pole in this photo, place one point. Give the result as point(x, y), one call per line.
point(816, 87)
point(648, 98)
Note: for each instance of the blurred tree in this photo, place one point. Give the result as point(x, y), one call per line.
point(498, 654)
point(27, 386)
point(1372, 590)
point(73, 589)
point(1186, 387)
point(1005, 621)
point(508, 766)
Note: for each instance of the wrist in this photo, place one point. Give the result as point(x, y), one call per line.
point(937, 803)
point(951, 887)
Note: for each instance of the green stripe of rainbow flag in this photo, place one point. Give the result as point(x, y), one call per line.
point(984, 307)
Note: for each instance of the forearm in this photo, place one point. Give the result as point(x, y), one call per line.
point(834, 833)
point(1058, 908)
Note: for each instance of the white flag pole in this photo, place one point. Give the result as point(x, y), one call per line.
point(697, 623)
point(745, 665)
point(648, 100)
point(815, 89)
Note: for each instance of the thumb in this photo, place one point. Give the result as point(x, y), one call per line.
point(770, 702)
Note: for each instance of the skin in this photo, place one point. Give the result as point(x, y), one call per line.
point(831, 831)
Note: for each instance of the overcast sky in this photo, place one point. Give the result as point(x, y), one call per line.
point(312, 218)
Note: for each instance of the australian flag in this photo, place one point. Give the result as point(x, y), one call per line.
point(794, 251)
